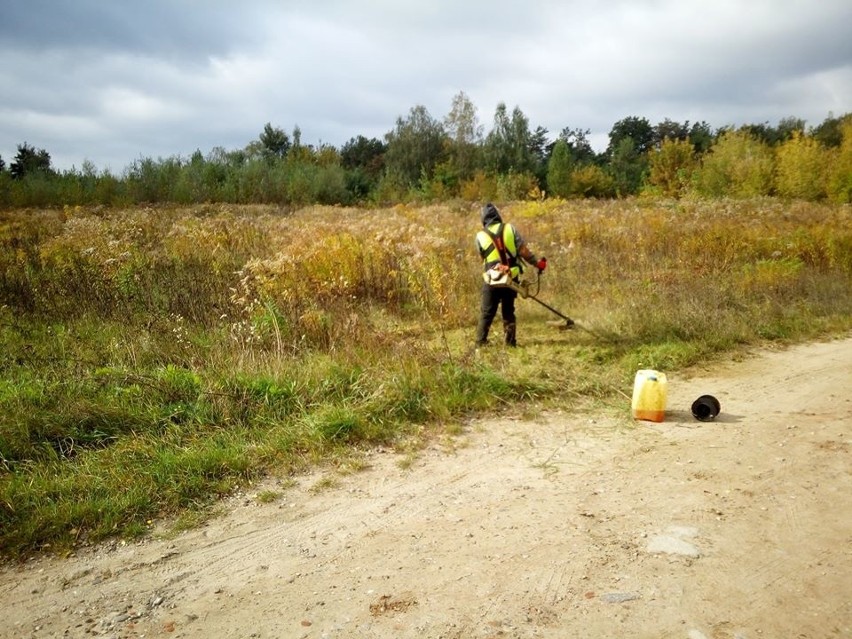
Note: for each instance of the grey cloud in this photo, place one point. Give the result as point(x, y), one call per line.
point(159, 27)
point(114, 80)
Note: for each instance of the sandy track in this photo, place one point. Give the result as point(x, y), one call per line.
point(573, 525)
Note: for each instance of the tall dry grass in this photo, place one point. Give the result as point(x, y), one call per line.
point(158, 357)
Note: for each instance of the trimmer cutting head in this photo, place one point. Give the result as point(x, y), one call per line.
point(562, 325)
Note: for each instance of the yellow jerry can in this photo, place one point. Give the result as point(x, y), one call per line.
point(649, 396)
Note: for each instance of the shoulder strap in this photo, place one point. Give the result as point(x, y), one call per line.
point(499, 244)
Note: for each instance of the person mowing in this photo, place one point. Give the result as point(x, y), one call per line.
point(501, 245)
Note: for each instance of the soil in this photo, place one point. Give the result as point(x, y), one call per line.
point(575, 524)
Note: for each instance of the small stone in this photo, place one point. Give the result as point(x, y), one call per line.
point(620, 597)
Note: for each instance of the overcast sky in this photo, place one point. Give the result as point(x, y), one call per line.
point(112, 81)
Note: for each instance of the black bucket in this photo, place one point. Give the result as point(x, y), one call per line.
point(705, 408)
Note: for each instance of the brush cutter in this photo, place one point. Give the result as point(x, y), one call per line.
point(530, 290)
point(525, 290)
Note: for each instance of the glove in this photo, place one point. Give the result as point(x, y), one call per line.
point(541, 265)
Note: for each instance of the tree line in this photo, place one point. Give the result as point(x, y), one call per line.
point(423, 158)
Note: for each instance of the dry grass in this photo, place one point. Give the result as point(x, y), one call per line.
point(159, 358)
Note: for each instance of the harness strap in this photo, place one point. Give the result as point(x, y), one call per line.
point(499, 244)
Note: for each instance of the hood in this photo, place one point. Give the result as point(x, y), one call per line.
point(490, 215)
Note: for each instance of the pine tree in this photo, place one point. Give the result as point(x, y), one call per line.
point(559, 170)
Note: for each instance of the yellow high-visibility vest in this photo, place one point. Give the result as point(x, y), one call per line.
point(490, 252)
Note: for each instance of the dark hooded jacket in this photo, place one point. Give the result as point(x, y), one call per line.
point(490, 215)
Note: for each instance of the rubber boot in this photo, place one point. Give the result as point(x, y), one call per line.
point(509, 329)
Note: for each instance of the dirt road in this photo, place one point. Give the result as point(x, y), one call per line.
point(574, 525)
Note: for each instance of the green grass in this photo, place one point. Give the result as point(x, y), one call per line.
point(213, 356)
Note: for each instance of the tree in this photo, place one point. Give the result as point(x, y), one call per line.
point(790, 127)
point(670, 130)
point(29, 160)
point(774, 135)
point(627, 167)
point(361, 153)
point(829, 132)
point(539, 152)
point(2, 164)
point(629, 142)
point(363, 161)
point(508, 146)
point(301, 153)
point(639, 130)
point(522, 143)
point(274, 142)
point(415, 146)
point(559, 169)
point(701, 136)
point(465, 135)
point(498, 145)
point(577, 141)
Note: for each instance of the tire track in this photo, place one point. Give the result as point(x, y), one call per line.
point(313, 540)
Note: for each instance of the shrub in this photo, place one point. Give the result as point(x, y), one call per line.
point(391, 188)
point(839, 188)
point(592, 181)
point(672, 166)
point(480, 188)
point(801, 168)
point(330, 185)
point(516, 186)
point(739, 165)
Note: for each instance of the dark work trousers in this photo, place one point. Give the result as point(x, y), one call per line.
point(492, 297)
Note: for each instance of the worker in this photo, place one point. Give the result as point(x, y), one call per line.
point(501, 245)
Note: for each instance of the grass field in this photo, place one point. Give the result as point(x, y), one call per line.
point(155, 359)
